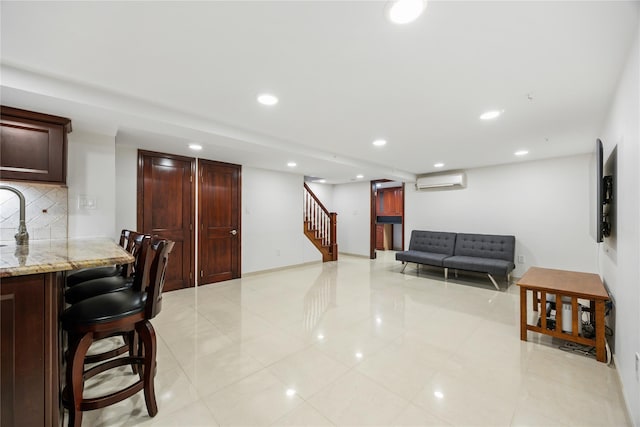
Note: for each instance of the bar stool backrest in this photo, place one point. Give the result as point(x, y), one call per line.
point(159, 250)
point(151, 267)
point(133, 245)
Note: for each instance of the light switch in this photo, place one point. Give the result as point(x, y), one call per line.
point(87, 202)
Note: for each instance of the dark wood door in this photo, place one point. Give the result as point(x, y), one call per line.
point(166, 208)
point(219, 213)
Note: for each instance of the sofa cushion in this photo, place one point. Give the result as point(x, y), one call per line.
point(421, 257)
point(485, 246)
point(435, 242)
point(482, 265)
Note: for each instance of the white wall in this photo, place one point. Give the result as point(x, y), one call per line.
point(352, 202)
point(324, 192)
point(91, 173)
point(272, 227)
point(546, 204)
point(619, 258)
point(126, 186)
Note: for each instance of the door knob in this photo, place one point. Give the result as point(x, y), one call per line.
point(234, 232)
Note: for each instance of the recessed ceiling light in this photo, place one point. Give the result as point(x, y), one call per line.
point(438, 394)
point(521, 153)
point(360, 176)
point(489, 115)
point(379, 142)
point(196, 147)
point(359, 355)
point(267, 99)
point(291, 392)
point(292, 164)
point(405, 11)
point(438, 165)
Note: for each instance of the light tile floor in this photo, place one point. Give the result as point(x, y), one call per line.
point(356, 342)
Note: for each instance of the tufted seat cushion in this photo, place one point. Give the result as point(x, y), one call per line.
point(104, 308)
point(86, 274)
point(428, 247)
point(92, 288)
point(419, 257)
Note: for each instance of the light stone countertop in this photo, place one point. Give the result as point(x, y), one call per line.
point(46, 256)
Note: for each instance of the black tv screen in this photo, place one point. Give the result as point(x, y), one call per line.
point(599, 205)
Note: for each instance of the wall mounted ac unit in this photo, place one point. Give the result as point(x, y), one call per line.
point(454, 180)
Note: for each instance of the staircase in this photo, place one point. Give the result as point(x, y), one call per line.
point(320, 226)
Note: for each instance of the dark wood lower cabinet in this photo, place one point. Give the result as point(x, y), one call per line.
point(29, 364)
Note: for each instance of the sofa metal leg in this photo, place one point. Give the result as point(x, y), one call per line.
point(456, 271)
point(405, 266)
point(446, 273)
point(493, 281)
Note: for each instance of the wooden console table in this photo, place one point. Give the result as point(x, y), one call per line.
point(562, 283)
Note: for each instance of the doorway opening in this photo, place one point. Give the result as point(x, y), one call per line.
point(387, 216)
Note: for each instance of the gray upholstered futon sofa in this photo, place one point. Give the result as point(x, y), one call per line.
point(482, 253)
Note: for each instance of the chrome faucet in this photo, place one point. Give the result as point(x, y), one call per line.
point(22, 237)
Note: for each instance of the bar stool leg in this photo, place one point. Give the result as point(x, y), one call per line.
point(148, 337)
point(75, 379)
point(131, 339)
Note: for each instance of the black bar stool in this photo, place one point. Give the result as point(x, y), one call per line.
point(114, 313)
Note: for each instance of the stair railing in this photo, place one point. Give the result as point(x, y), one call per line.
point(319, 219)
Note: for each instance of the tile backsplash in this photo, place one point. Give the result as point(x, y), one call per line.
point(46, 211)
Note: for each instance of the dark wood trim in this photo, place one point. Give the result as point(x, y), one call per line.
point(372, 237)
point(403, 213)
point(53, 286)
point(40, 117)
point(240, 221)
point(372, 222)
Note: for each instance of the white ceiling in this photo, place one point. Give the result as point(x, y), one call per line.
point(162, 74)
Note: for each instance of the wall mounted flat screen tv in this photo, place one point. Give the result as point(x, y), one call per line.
point(603, 196)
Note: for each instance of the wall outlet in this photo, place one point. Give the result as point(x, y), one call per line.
point(520, 259)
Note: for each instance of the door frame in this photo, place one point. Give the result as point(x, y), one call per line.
point(192, 213)
point(372, 222)
point(198, 226)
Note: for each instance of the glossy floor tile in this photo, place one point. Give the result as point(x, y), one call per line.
point(356, 342)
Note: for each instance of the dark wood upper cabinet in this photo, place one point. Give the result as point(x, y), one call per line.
point(389, 202)
point(33, 146)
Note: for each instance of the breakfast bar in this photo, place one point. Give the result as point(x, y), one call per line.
point(31, 299)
